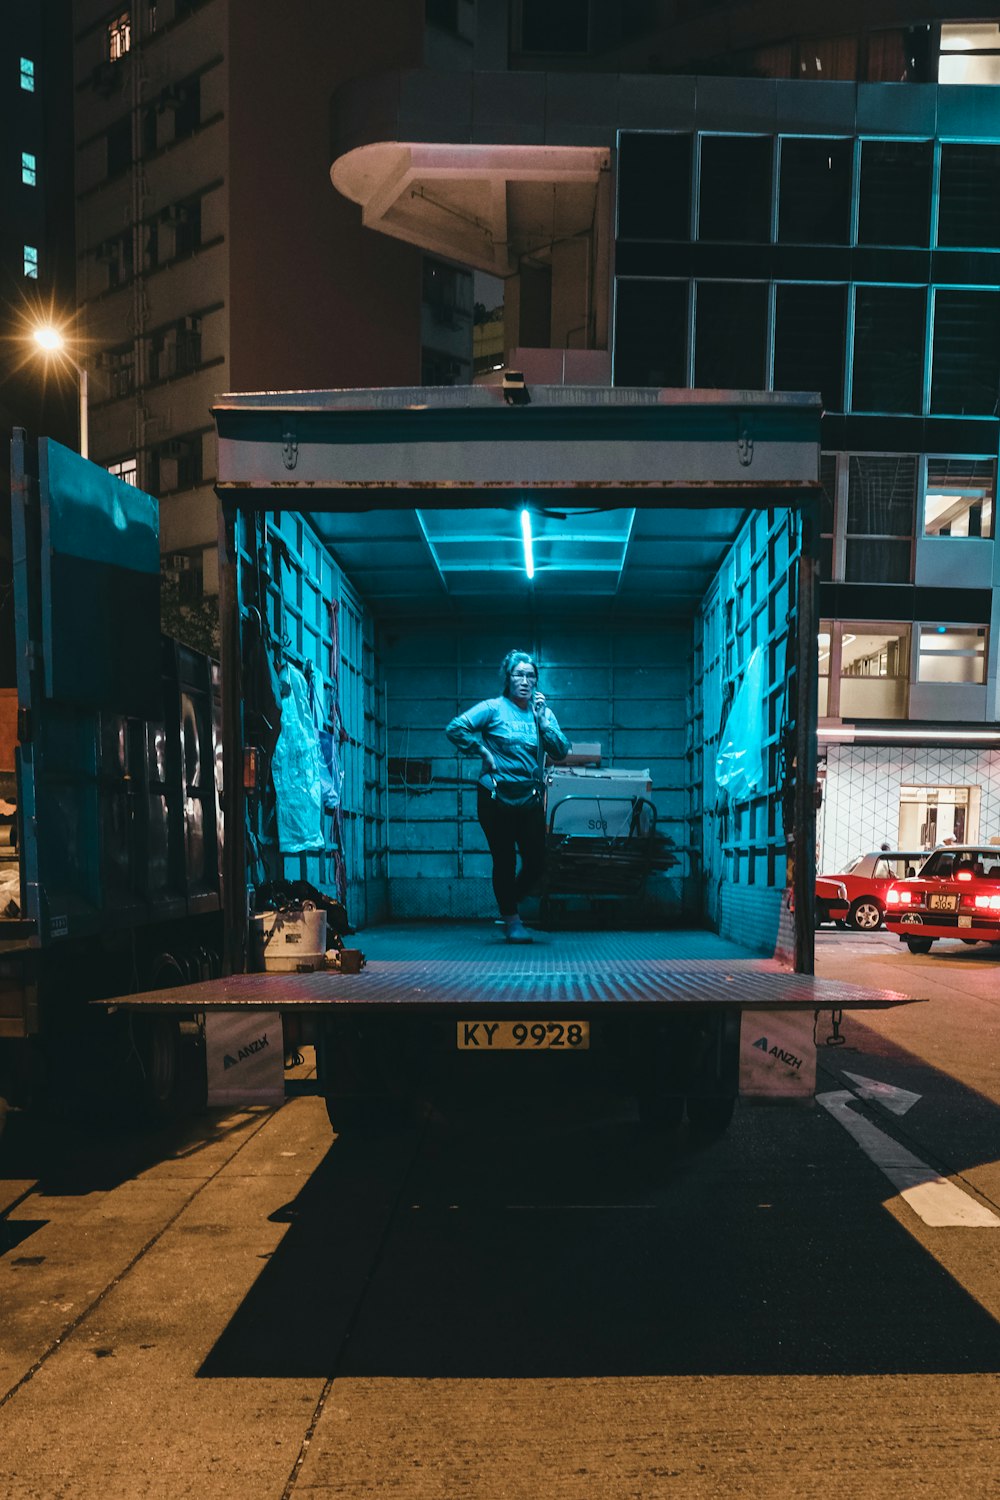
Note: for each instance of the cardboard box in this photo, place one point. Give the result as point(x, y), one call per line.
point(582, 753)
point(602, 802)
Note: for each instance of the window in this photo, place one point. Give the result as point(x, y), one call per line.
point(895, 195)
point(824, 641)
point(735, 196)
point(958, 497)
point(730, 333)
point(969, 212)
point(119, 36)
point(116, 254)
point(119, 146)
point(176, 464)
point(952, 653)
point(863, 669)
point(970, 53)
point(814, 191)
point(809, 337)
point(29, 169)
point(27, 75)
point(966, 364)
point(175, 350)
point(126, 469)
point(930, 815)
point(881, 504)
point(651, 333)
point(654, 187)
point(828, 512)
point(31, 261)
point(120, 365)
point(874, 671)
point(888, 371)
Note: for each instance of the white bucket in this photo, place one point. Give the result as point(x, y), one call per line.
point(293, 940)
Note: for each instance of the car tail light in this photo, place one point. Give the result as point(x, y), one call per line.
point(988, 903)
point(963, 875)
point(896, 897)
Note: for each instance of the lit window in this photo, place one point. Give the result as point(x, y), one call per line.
point(119, 36)
point(970, 53)
point(874, 671)
point(28, 74)
point(29, 171)
point(126, 469)
point(31, 261)
point(952, 653)
point(958, 498)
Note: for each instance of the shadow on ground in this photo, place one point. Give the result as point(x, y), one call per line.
point(516, 1239)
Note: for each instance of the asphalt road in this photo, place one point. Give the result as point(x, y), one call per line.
point(520, 1299)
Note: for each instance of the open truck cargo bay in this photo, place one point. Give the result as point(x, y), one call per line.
point(372, 541)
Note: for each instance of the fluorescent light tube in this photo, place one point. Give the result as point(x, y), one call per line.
point(529, 556)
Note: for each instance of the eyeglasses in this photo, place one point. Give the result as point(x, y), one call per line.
point(525, 676)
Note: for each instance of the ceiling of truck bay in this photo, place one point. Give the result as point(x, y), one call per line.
point(588, 562)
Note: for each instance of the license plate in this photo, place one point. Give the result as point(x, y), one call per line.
point(523, 1036)
point(942, 903)
point(965, 921)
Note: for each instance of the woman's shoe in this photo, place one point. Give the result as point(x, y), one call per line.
point(515, 930)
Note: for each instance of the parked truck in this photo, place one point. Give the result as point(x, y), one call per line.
point(375, 567)
point(110, 792)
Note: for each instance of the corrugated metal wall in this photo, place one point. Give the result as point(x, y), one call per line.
point(626, 689)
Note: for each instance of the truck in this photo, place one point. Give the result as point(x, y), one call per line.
point(110, 792)
point(655, 552)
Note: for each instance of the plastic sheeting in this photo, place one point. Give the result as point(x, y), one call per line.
point(739, 765)
point(296, 769)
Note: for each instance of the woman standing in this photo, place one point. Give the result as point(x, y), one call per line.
point(511, 735)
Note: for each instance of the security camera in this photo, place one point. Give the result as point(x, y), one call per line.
point(515, 392)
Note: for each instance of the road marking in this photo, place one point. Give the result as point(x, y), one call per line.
point(897, 1101)
point(932, 1197)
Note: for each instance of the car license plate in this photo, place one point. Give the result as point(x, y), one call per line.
point(942, 903)
point(523, 1036)
point(965, 921)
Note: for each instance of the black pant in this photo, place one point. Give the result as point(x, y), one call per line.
point(508, 829)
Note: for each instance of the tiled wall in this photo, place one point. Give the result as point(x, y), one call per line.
point(861, 797)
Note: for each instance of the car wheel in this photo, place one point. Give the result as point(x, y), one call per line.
point(919, 945)
point(865, 914)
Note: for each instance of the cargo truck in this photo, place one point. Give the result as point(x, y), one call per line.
point(655, 552)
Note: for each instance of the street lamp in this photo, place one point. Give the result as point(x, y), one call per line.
point(51, 341)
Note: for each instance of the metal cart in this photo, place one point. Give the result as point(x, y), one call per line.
point(598, 847)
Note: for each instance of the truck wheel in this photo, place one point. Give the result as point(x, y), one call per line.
point(865, 914)
point(919, 945)
point(157, 1043)
point(710, 1115)
point(661, 1111)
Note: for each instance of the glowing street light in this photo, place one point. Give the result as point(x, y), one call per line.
point(51, 341)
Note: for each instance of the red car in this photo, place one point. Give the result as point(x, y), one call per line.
point(867, 880)
point(955, 895)
point(831, 900)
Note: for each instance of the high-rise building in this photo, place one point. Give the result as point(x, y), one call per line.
point(212, 253)
point(37, 265)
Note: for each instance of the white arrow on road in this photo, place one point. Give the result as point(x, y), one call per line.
point(932, 1197)
point(897, 1101)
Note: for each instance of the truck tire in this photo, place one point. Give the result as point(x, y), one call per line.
point(157, 1043)
point(919, 945)
point(866, 914)
point(712, 1116)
